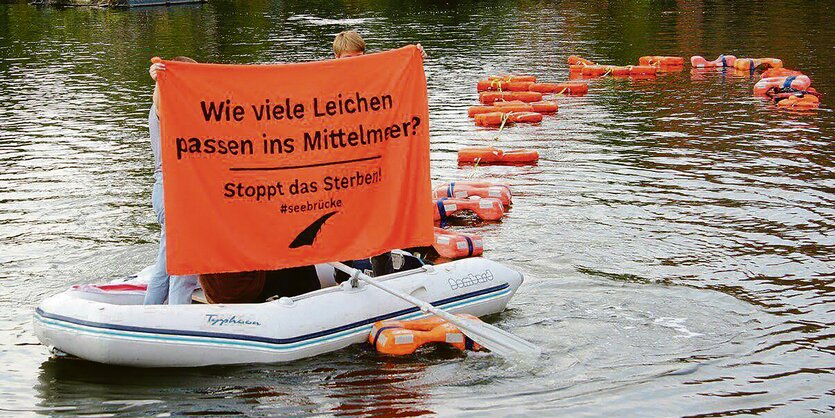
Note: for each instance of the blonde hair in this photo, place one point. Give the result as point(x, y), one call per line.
point(182, 59)
point(348, 41)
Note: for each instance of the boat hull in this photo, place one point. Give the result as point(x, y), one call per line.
point(91, 327)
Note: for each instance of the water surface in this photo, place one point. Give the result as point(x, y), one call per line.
point(677, 235)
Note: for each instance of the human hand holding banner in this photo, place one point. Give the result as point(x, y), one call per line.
point(275, 166)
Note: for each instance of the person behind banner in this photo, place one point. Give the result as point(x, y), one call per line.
point(177, 289)
point(348, 44)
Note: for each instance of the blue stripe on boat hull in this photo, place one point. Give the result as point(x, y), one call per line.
point(256, 341)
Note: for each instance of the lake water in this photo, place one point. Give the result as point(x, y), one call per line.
point(677, 236)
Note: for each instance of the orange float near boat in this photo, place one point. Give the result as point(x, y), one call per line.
point(593, 70)
point(499, 118)
point(620, 71)
point(490, 97)
point(510, 78)
point(545, 106)
point(499, 85)
point(511, 104)
point(466, 189)
point(799, 102)
point(642, 70)
point(797, 82)
point(503, 107)
point(662, 61)
point(477, 110)
point(491, 155)
point(575, 60)
point(752, 63)
point(721, 62)
point(568, 89)
point(455, 245)
point(779, 72)
point(487, 209)
point(399, 338)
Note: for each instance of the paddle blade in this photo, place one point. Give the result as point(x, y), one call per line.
point(495, 339)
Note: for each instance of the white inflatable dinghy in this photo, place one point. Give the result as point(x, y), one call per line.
point(108, 323)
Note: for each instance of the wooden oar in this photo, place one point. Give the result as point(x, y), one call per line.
point(494, 339)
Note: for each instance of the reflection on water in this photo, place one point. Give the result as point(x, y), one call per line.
point(677, 234)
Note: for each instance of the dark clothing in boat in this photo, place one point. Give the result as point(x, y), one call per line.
point(258, 286)
point(385, 263)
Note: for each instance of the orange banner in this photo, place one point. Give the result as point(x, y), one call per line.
point(274, 166)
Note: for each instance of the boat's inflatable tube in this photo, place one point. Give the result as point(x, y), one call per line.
point(455, 245)
point(491, 155)
point(400, 338)
point(467, 189)
point(487, 209)
point(661, 61)
point(797, 82)
point(284, 330)
point(490, 97)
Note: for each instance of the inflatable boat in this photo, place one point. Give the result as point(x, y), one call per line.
point(108, 323)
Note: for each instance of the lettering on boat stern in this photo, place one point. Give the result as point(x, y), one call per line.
point(471, 280)
point(216, 320)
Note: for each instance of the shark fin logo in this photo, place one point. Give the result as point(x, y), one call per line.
point(309, 234)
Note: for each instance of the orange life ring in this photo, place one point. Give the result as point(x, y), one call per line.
point(502, 107)
point(594, 70)
point(455, 245)
point(642, 70)
point(721, 62)
point(796, 102)
point(797, 82)
point(661, 61)
point(752, 63)
point(575, 60)
point(496, 85)
point(477, 110)
point(399, 338)
point(491, 155)
point(573, 89)
point(568, 89)
point(513, 104)
point(529, 78)
point(779, 72)
point(490, 97)
point(466, 189)
point(487, 209)
point(545, 106)
point(498, 118)
point(620, 71)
